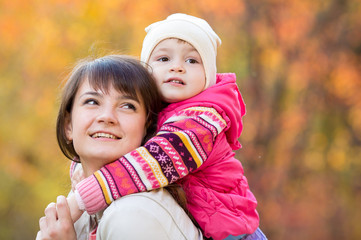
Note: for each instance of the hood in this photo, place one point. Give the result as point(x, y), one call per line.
point(225, 97)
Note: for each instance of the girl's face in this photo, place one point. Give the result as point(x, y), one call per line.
point(177, 69)
point(104, 126)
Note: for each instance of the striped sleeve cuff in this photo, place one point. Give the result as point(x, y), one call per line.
point(90, 197)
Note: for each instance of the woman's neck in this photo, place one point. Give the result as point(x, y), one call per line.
point(89, 167)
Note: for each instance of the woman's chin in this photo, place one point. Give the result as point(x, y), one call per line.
point(100, 159)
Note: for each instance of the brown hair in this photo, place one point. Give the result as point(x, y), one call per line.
point(125, 74)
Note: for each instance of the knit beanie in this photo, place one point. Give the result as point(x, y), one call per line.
point(193, 30)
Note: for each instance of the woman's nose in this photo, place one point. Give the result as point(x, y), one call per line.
point(107, 116)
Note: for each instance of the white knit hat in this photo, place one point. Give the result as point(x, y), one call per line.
point(193, 30)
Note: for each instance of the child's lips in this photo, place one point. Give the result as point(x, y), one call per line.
point(177, 81)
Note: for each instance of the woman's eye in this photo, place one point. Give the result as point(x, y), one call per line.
point(91, 102)
point(129, 106)
point(163, 59)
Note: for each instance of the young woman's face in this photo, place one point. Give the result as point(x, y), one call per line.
point(104, 126)
point(177, 69)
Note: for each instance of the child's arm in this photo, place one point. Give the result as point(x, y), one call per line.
point(76, 175)
point(74, 208)
point(180, 147)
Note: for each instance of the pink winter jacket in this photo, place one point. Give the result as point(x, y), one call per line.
point(217, 192)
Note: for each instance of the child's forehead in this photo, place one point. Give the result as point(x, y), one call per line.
point(181, 41)
point(170, 43)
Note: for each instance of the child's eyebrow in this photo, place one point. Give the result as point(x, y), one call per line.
point(193, 50)
point(163, 49)
point(167, 49)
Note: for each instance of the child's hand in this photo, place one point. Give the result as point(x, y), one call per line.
point(75, 212)
point(77, 176)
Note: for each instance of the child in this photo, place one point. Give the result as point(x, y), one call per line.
point(197, 132)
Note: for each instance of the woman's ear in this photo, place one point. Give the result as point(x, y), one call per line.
point(68, 128)
point(145, 132)
point(147, 125)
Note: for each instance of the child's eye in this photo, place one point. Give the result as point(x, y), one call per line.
point(191, 60)
point(163, 59)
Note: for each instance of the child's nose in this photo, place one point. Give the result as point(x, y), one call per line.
point(177, 67)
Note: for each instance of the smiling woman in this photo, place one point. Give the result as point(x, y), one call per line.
point(117, 73)
point(109, 108)
point(104, 125)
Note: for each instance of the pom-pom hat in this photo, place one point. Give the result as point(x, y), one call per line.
point(193, 30)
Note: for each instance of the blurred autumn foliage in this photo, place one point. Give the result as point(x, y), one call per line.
point(298, 65)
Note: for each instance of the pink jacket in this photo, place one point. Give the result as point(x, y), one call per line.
point(217, 192)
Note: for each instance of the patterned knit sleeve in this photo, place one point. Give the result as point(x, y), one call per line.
point(180, 147)
point(73, 166)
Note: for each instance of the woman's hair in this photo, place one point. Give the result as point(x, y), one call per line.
point(125, 74)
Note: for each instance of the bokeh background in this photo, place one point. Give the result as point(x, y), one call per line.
point(298, 68)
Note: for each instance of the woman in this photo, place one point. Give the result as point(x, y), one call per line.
point(109, 107)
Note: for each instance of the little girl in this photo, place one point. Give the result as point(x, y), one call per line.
point(198, 131)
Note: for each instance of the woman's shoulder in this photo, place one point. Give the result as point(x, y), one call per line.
point(147, 215)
